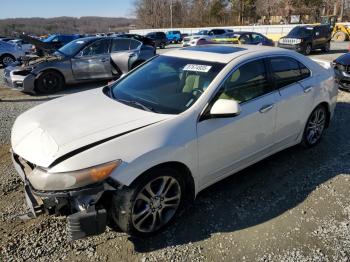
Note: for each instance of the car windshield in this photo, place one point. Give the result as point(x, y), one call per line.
point(166, 85)
point(50, 38)
point(301, 32)
point(73, 47)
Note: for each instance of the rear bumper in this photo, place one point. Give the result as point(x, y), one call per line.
point(86, 214)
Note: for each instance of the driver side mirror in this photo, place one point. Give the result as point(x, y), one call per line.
point(225, 108)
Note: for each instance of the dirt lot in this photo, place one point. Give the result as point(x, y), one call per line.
point(293, 206)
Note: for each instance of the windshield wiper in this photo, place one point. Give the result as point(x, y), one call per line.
point(132, 102)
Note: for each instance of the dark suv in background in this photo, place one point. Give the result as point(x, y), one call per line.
point(304, 39)
point(159, 38)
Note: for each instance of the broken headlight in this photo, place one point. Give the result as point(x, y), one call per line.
point(41, 179)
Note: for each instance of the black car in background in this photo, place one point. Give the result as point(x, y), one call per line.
point(304, 39)
point(145, 40)
point(159, 38)
point(341, 67)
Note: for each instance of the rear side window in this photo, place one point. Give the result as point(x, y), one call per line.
point(120, 45)
point(99, 47)
point(286, 71)
point(134, 44)
point(247, 82)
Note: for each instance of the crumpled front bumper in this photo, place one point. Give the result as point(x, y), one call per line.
point(86, 215)
point(343, 79)
point(14, 79)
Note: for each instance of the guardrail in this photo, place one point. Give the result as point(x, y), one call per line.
point(275, 32)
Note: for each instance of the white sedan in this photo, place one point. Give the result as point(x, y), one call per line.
point(140, 149)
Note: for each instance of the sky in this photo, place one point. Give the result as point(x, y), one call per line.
point(76, 8)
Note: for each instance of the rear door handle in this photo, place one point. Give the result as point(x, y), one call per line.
point(308, 89)
point(266, 108)
point(103, 60)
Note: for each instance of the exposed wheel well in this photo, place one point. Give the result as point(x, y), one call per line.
point(183, 169)
point(328, 118)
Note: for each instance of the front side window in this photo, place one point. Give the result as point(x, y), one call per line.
point(247, 82)
point(286, 71)
point(166, 85)
point(99, 47)
point(257, 38)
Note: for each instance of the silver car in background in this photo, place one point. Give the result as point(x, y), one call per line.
point(82, 60)
point(9, 53)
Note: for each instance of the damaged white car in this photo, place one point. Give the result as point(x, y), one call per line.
point(137, 151)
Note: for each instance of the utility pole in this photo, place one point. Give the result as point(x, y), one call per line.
point(342, 6)
point(171, 14)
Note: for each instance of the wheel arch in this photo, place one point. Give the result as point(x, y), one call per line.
point(328, 110)
point(179, 166)
point(46, 70)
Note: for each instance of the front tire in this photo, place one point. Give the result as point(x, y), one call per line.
point(307, 49)
point(340, 36)
point(6, 60)
point(327, 47)
point(49, 82)
point(315, 126)
point(150, 204)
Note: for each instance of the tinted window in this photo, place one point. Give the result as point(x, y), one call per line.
point(286, 70)
point(301, 32)
point(245, 39)
point(134, 44)
point(97, 48)
point(120, 45)
point(247, 82)
point(257, 38)
point(304, 71)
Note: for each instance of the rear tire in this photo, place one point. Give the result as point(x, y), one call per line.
point(49, 82)
point(162, 45)
point(314, 127)
point(6, 60)
point(340, 36)
point(150, 203)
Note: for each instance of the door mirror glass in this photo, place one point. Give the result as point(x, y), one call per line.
point(225, 108)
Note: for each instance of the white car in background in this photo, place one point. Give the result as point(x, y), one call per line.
point(203, 36)
point(9, 53)
point(143, 147)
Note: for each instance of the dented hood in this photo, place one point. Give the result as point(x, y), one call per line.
point(53, 129)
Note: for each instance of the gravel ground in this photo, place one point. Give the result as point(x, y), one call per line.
point(293, 206)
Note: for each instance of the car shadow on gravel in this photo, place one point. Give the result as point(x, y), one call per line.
point(261, 192)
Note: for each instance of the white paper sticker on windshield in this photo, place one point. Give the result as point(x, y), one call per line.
point(197, 68)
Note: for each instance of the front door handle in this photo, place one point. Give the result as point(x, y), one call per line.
point(266, 108)
point(103, 60)
point(308, 89)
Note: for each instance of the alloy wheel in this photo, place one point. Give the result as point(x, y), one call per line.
point(316, 125)
point(156, 204)
point(50, 81)
point(7, 60)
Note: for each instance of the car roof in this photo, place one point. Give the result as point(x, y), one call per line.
point(222, 53)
